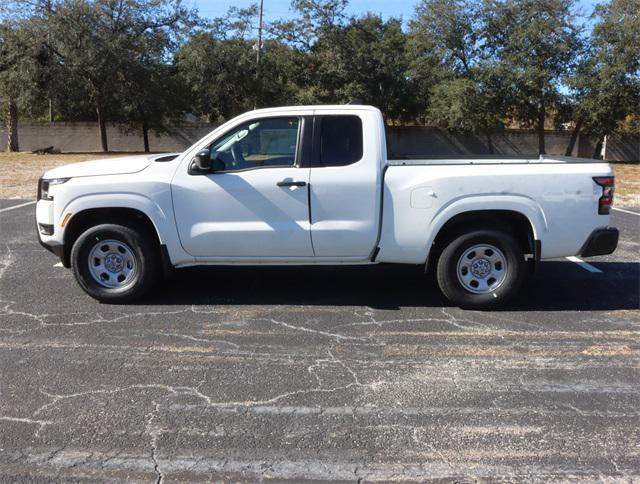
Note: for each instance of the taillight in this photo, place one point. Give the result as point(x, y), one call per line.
point(606, 199)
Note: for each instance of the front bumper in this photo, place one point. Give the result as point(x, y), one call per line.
point(601, 242)
point(56, 249)
point(46, 231)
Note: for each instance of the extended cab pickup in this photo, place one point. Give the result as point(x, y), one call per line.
point(313, 186)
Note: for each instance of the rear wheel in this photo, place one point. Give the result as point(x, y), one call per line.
point(115, 263)
point(481, 269)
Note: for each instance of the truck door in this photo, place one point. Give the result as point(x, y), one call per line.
point(345, 185)
point(254, 205)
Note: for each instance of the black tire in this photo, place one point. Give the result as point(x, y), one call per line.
point(511, 279)
point(144, 255)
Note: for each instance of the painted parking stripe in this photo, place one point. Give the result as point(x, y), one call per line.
point(586, 266)
point(625, 211)
point(17, 206)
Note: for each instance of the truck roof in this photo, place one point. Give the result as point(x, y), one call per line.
point(319, 107)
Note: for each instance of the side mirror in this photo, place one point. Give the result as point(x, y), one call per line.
point(203, 160)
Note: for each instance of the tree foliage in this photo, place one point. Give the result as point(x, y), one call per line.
point(366, 60)
point(464, 65)
point(24, 74)
point(536, 44)
point(458, 80)
point(104, 51)
point(606, 84)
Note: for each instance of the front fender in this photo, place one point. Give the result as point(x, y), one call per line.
point(160, 216)
point(133, 201)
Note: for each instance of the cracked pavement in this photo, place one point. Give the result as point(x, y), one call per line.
point(350, 374)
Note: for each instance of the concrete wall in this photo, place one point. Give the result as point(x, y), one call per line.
point(424, 142)
point(420, 141)
point(403, 141)
point(623, 148)
point(85, 137)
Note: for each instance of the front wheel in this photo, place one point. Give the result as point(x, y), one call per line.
point(114, 263)
point(481, 269)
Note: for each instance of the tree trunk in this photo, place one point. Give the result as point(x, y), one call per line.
point(12, 125)
point(597, 152)
point(103, 129)
point(574, 138)
point(145, 136)
point(541, 119)
point(490, 144)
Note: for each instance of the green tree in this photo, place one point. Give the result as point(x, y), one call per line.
point(150, 96)
point(150, 93)
point(23, 74)
point(282, 77)
point(220, 67)
point(95, 41)
point(219, 75)
point(364, 59)
point(606, 87)
point(462, 104)
point(536, 45)
point(459, 86)
point(313, 19)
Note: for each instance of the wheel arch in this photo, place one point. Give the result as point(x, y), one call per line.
point(513, 221)
point(89, 217)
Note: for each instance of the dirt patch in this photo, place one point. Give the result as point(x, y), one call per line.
point(610, 350)
point(627, 184)
point(19, 172)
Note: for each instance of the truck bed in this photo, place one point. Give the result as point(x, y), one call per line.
point(558, 197)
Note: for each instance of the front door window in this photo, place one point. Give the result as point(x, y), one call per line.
point(269, 142)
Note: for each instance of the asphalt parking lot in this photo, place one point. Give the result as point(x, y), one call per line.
point(347, 374)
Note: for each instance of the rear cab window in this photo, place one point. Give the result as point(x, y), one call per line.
point(339, 140)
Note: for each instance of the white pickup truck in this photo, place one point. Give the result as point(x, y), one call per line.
point(313, 186)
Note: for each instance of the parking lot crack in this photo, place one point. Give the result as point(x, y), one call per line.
point(337, 336)
point(201, 340)
point(6, 260)
point(154, 433)
point(459, 322)
point(8, 311)
point(343, 364)
point(40, 423)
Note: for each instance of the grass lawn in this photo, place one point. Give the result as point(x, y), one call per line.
point(19, 173)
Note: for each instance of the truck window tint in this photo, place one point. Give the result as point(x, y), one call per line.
point(258, 143)
point(340, 140)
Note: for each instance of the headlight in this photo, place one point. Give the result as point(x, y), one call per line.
point(45, 185)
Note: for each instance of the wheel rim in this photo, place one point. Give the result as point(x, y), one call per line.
point(482, 269)
point(112, 264)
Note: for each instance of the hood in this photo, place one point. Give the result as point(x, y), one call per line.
point(107, 166)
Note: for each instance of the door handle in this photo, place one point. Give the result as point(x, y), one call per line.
point(291, 183)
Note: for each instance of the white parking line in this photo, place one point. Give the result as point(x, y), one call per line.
point(59, 264)
point(586, 266)
point(625, 211)
point(17, 206)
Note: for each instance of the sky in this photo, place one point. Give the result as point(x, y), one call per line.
point(275, 9)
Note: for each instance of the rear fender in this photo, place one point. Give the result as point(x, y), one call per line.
point(514, 203)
